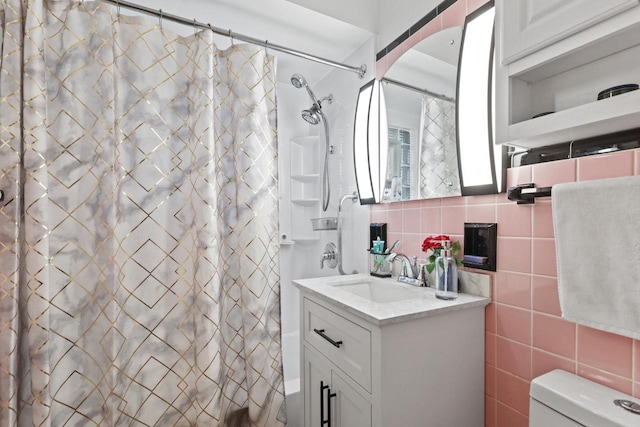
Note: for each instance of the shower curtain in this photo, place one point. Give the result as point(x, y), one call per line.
point(438, 153)
point(139, 280)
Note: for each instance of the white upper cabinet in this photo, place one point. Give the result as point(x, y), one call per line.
point(553, 59)
point(530, 25)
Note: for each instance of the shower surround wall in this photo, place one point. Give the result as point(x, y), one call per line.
point(302, 259)
point(525, 335)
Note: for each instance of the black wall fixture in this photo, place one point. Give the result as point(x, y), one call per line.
point(480, 245)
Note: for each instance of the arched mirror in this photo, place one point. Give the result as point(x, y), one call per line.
point(431, 141)
point(420, 91)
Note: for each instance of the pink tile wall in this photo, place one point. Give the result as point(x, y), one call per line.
point(525, 335)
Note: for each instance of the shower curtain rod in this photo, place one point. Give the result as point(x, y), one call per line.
point(417, 89)
point(361, 70)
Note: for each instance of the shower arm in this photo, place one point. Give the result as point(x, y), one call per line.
point(354, 198)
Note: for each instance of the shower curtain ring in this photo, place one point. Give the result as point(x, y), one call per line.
point(118, 8)
point(266, 47)
point(194, 26)
point(231, 37)
point(160, 18)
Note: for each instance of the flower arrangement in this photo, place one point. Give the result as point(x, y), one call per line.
point(435, 245)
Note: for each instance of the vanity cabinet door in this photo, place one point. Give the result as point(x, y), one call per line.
point(349, 408)
point(529, 25)
point(317, 373)
point(329, 400)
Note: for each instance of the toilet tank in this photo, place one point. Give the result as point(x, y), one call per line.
point(562, 399)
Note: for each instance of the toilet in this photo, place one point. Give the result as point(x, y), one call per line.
point(561, 399)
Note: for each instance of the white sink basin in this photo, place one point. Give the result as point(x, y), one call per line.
point(379, 292)
point(382, 300)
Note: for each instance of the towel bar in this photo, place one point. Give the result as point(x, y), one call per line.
point(525, 194)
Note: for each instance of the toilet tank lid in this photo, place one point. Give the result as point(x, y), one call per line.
point(582, 400)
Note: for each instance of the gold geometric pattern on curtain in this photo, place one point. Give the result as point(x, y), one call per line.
point(438, 153)
point(139, 242)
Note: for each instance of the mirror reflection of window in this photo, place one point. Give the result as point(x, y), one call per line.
point(402, 165)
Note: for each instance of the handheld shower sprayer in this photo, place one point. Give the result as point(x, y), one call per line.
point(314, 115)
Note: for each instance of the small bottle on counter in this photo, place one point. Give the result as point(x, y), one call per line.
point(446, 273)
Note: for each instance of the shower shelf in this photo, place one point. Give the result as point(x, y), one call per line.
point(305, 140)
point(305, 239)
point(305, 202)
point(326, 223)
point(306, 178)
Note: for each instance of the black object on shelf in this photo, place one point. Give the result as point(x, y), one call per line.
point(525, 194)
point(480, 245)
point(617, 90)
point(378, 230)
point(618, 141)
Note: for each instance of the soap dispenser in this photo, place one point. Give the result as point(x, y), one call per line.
point(446, 273)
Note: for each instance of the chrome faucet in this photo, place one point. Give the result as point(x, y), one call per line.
point(409, 269)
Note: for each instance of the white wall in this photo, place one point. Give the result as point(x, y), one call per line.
point(302, 259)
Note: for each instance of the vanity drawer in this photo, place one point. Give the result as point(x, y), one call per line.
point(345, 343)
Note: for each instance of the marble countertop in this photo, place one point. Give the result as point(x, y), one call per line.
point(417, 301)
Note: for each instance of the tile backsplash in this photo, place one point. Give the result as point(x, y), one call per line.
point(525, 334)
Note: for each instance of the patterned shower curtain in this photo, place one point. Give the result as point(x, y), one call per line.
point(438, 153)
point(139, 280)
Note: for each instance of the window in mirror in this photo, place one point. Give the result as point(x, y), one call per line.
point(401, 166)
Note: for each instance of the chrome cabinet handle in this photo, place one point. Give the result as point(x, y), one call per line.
point(323, 335)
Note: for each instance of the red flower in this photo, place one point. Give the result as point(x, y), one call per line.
point(433, 243)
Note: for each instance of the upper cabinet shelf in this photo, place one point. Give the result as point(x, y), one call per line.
point(564, 73)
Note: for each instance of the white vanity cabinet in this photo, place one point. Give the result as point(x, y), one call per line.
point(555, 56)
point(422, 369)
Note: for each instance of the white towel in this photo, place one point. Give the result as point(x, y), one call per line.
point(597, 228)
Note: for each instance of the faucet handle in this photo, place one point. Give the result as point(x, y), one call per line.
point(403, 272)
point(329, 255)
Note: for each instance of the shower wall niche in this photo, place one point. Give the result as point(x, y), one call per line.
point(305, 161)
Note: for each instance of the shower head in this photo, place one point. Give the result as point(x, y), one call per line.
point(314, 114)
point(311, 115)
point(298, 81)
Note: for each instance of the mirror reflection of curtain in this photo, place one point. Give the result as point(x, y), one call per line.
point(438, 154)
point(140, 279)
